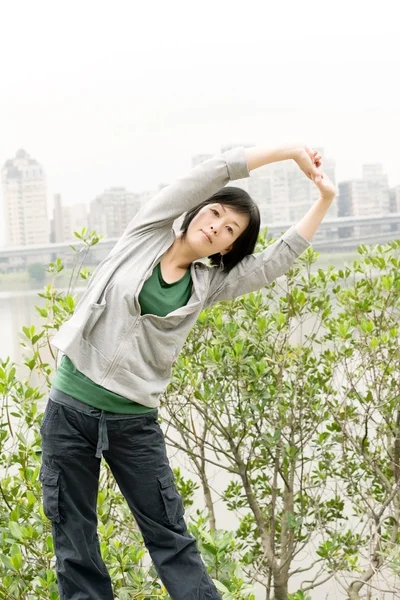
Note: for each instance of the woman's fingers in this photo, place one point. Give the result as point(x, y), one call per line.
point(315, 156)
point(310, 163)
point(317, 169)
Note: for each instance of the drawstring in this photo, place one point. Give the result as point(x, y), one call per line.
point(102, 443)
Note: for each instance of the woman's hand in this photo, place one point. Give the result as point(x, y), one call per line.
point(325, 186)
point(309, 161)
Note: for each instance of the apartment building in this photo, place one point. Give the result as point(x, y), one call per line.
point(25, 211)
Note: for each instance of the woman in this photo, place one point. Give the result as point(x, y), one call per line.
point(119, 347)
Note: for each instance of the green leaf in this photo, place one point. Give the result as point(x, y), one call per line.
point(220, 586)
point(15, 530)
point(16, 561)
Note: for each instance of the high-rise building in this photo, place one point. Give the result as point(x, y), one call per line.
point(111, 211)
point(24, 201)
point(260, 187)
point(394, 198)
point(374, 173)
point(280, 191)
point(394, 195)
point(57, 223)
point(378, 187)
point(366, 197)
point(67, 220)
point(354, 199)
point(75, 219)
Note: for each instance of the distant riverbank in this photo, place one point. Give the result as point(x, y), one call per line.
point(21, 281)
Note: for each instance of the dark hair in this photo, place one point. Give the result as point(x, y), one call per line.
point(240, 201)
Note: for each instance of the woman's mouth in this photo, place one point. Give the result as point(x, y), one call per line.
point(207, 236)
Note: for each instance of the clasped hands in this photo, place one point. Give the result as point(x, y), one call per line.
point(310, 162)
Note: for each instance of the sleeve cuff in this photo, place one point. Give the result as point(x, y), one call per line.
point(295, 240)
point(236, 163)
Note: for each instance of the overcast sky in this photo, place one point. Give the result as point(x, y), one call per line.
point(123, 93)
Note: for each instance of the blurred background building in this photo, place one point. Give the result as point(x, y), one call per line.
point(25, 215)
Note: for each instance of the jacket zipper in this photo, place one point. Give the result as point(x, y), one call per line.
point(114, 363)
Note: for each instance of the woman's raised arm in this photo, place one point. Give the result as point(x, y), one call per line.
point(210, 176)
point(309, 162)
point(308, 225)
point(187, 191)
point(307, 159)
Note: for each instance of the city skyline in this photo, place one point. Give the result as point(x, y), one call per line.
point(172, 168)
point(281, 191)
point(158, 184)
point(130, 100)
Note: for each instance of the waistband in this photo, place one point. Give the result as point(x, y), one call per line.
point(62, 398)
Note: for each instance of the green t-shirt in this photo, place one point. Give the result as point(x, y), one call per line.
point(160, 298)
point(156, 297)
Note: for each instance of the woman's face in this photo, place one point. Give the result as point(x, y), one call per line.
point(215, 228)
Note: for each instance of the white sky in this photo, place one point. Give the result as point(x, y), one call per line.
point(124, 92)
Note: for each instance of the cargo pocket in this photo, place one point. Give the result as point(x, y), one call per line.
point(171, 499)
point(50, 414)
point(51, 491)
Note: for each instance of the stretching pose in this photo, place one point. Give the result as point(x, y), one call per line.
point(118, 350)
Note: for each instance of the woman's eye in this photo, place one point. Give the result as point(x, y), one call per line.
point(215, 212)
point(230, 229)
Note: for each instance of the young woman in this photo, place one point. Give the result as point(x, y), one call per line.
point(118, 350)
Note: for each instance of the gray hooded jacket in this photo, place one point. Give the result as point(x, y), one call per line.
point(109, 341)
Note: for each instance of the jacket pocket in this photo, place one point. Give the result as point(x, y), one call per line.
point(94, 314)
point(171, 499)
point(51, 492)
point(154, 347)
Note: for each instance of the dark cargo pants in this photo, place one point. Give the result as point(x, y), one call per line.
point(134, 448)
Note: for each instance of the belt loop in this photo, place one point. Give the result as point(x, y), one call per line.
point(102, 443)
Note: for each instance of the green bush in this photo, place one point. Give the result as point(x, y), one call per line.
point(305, 420)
